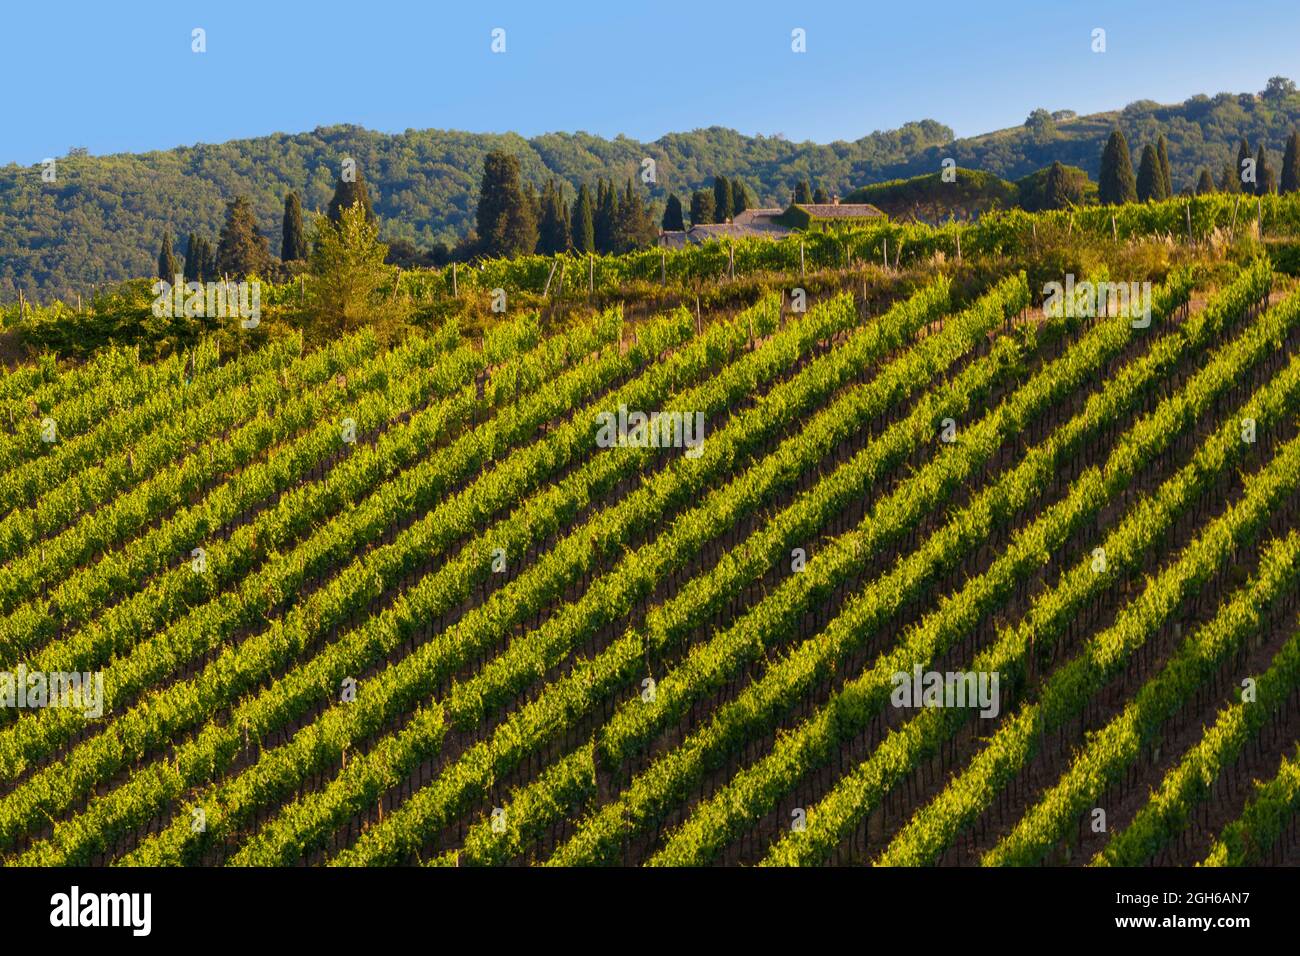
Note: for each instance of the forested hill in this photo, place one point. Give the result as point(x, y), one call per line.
point(102, 219)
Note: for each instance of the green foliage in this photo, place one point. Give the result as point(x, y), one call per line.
point(1265, 178)
point(1057, 189)
point(346, 270)
point(100, 224)
point(928, 197)
point(1116, 185)
point(1243, 158)
point(739, 197)
point(702, 211)
point(1041, 127)
point(634, 226)
point(349, 192)
point(583, 222)
point(722, 207)
point(803, 192)
point(606, 216)
point(1073, 185)
point(507, 225)
point(293, 244)
point(673, 219)
point(1166, 178)
point(200, 260)
point(241, 249)
point(1229, 179)
point(553, 224)
point(1205, 184)
point(1291, 164)
point(168, 267)
point(1150, 181)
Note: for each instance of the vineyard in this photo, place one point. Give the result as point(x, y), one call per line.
point(392, 604)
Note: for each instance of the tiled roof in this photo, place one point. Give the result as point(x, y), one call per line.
point(753, 216)
point(753, 227)
point(830, 210)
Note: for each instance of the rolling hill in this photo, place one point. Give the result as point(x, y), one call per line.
point(102, 219)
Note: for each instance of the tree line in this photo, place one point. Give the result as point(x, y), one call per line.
point(1250, 175)
point(514, 219)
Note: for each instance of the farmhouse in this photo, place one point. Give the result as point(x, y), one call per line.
point(776, 223)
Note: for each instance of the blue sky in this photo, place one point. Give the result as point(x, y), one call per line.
point(118, 77)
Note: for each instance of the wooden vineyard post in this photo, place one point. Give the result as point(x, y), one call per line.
point(1188, 209)
point(958, 246)
point(1232, 227)
point(301, 290)
point(801, 269)
point(453, 281)
point(1259, 214)
point(884, 251)
point(591, 275)
point(551, 275)
point(1114, 229)
point(396, 282)
point(663, 267)
point(731, 261)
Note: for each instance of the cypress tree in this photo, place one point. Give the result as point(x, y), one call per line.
point(198, 260)
point(1265, 178)
point(193, 260)
point(553, 226)
point(1243, 154)
point(701, 207)
point(606, 217)
point(346, 194)
point(1150, 186)
point(1205, 184)
point(1166, 177)
point(1116, 185)
point(1056, 191)
point(168, 267)
point(803, 192)
point(584, 226)
point(721, 199)
point(293, 241)
point(739, 198)
point(209, 260)
point(1229, 181)
point(821, 196)
point(1291, 164)
point(507, 225)
point(241, 249)
point(634, 226)
point(534, 201)
point(673, 220)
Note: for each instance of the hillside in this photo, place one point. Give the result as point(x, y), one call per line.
point(449, 602)
point(966, 194)
point(102, 220)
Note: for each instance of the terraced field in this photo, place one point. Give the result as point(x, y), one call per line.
point(379, 606)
